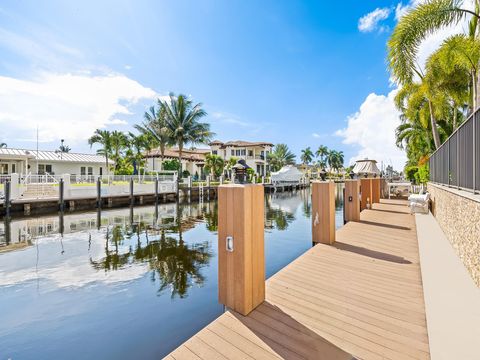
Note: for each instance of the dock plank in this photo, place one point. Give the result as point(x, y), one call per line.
point(359, 298)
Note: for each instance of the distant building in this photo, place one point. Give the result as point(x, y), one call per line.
point(193, 161)
point(43, 162)
point(254, 153)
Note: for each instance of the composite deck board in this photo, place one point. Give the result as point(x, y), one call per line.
point(359, 298)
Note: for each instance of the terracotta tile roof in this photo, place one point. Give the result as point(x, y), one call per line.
point(241, 143)
point(187, 154)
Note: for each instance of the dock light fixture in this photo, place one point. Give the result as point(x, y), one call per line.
point(323, 174)
point(366, 175)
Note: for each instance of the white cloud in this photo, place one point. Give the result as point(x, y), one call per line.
point(372, 131)
point(66, 106)
point(315, 135)
point(370, 21)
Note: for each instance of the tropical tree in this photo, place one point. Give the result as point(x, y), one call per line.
point(229, 165)
point(414, 27)
point(335, 160)
point(214, 164)
point(3, 145)
point(137, 145)
point(280, 156)
point(104, 139)
point(155, 127)
point(182, 120)
point(119, 142)
point(64, 148)
point(307, 156)
point(322, 153)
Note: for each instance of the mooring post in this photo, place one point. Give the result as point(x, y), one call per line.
point(132, 198)
point(156, 192)
point(241, 253)
point(7, 198)
point(61, 195)
point(376, 183)
point(189, 188)
point(366, 191)
point(323, 212)
point(351, 201)
point(208, 187)
point(99, 193)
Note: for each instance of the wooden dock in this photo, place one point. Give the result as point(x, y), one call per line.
point(360, 298)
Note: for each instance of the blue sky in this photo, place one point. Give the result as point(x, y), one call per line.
point(296, 72)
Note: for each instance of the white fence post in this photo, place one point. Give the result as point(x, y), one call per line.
point(14, 186)
point(66, 186)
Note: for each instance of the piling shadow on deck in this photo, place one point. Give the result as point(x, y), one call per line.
point(361, 298)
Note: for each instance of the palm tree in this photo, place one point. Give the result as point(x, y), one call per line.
point(307, 156)
point(138, 143)
point(412, 29)
point(104, 139)
point(335, 160)
point(3, 145)
point(182, 119)
point(322, 153)
point(280, 156)
point(214, 164)
point(119, 142)
point(156, 127)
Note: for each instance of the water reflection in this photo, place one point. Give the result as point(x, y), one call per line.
point(152, 265)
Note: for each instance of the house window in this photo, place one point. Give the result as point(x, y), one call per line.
point(90, 170)
point(250, 152)
point(44, 169)
point(214, 152)
point(237, 152)
point(14, 169)
point(233, 152)
point(3, 169)
point(101, 171)
point(244, 152)
point(83, 171)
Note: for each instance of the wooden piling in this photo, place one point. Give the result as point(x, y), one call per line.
point(351, 200)
point(241, 265)
point(366, 190)
point(376, 183)
point(61, 195)
point(323, 212)
point(99, 193)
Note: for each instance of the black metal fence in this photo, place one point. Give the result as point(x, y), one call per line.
point(457, 162)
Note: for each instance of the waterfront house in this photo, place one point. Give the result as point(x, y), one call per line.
point(43, 162)
point(254, 153)
point(193, 160)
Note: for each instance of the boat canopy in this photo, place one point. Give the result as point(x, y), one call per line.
point(288, 174)
point(366, 167)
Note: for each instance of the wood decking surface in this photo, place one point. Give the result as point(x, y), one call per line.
point(360, 298)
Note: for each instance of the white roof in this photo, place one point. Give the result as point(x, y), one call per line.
point(366, 166)
point(51, 156)
point(288, 173)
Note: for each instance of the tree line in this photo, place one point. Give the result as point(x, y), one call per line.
point(324, 157)
point(172, 122)
point(436, 97)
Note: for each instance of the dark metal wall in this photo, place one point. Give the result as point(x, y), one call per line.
point(457, 162)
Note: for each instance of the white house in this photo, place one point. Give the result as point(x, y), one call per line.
point(23, 161)
point(254, 153)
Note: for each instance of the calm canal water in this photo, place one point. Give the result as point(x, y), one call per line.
point(126, 284)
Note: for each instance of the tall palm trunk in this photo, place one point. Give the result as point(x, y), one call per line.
point(162, 155)
point(180, 151)
point(433, 122)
